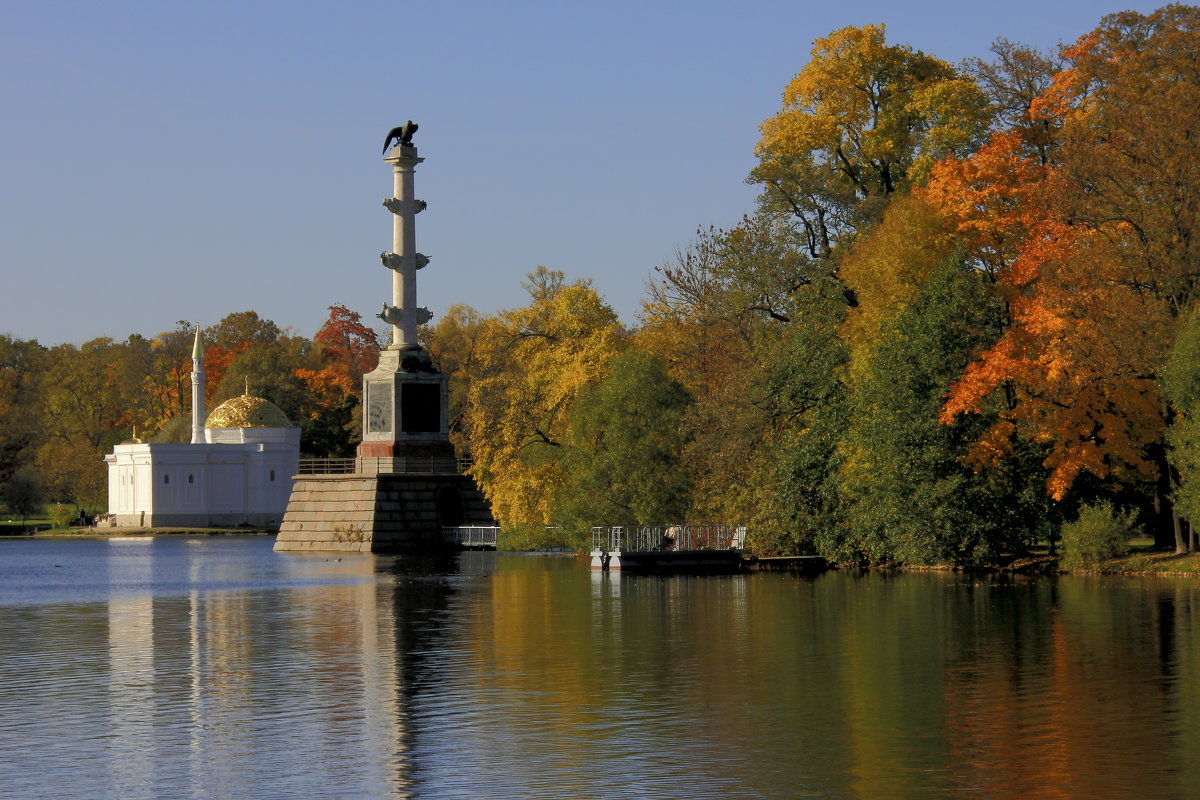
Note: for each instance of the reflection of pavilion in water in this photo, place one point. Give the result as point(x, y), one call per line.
point(310, 692)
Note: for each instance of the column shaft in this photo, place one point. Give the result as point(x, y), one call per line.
point(404, 243)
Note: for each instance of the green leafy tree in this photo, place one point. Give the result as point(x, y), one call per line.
point(453, 344)
point(176, 430)
point(74, 471)
point(1181, 385)
point(1100, 533)
point(250, 354)
point(23, 495)
point(21, 366)
point(621, 458)
point(81, 399)
point(793, 500)
point(716, 317)
point(908, 495)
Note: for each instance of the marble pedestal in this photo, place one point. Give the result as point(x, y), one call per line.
point(405, 408)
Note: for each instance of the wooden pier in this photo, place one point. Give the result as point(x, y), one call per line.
point(669, 548)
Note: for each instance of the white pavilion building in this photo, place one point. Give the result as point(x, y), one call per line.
point(237, 470)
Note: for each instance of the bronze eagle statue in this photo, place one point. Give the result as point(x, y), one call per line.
point(402, 134)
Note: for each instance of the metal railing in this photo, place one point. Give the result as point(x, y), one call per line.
point(326, 466)
point(648, 538)
point(471, 535)
point(421, 465)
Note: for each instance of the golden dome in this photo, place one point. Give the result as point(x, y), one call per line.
point(247, 412)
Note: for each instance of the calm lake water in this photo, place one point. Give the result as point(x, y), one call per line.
point(216, 668)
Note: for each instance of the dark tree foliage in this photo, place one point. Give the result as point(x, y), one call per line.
point(621, 457)
point(908, 495)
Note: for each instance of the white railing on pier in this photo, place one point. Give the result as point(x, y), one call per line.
point(471, 535)
point(650, 538)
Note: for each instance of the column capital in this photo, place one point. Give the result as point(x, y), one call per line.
point(403, 158)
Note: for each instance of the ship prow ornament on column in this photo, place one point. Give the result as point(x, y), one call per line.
point(406, 485)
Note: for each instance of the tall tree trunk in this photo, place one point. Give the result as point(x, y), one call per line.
point(1168, 530)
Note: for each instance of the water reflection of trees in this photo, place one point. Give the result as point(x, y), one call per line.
point(874, 685)
point(1072, 690)
point(401, 678)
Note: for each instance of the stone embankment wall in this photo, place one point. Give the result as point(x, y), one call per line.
point(378, 513)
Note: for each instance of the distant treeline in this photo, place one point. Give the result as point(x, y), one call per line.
point(62, 408)
point(962, 313)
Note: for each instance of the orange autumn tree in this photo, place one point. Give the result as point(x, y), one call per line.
point(1130, 104)
point(1130, 100)
point(229, 341)
point(347, 350)
point(1095, 258)
point(1074, 361)
point(1078, 361)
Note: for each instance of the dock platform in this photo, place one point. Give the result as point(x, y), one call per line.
point(669, 548)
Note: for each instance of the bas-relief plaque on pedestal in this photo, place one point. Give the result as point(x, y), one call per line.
point(379, 409)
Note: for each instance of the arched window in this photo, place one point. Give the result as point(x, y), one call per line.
point(272, 474)
point(166, 478)
point(191, 478)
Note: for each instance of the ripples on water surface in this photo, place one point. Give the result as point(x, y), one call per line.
point(216, 668)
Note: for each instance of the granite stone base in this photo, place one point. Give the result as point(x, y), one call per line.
point(378, 513)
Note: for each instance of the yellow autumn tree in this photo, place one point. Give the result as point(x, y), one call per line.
point(861, 121)
point(887, 270)
point(452, 344)
point(532, 363)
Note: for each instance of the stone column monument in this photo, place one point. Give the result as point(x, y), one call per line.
point(405, 398)
point(406, 487)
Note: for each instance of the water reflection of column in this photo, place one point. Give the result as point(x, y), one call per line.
point(131, 671)
point(383, 710)
point(354, 703)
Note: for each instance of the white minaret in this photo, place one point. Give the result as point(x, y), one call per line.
point(198, 389)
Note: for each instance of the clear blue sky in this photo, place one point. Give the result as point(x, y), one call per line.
point(166, 161)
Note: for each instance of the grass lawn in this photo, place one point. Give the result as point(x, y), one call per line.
point(43, 526)
point(105, 532)
point(1144, 561)
point(13, 527)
